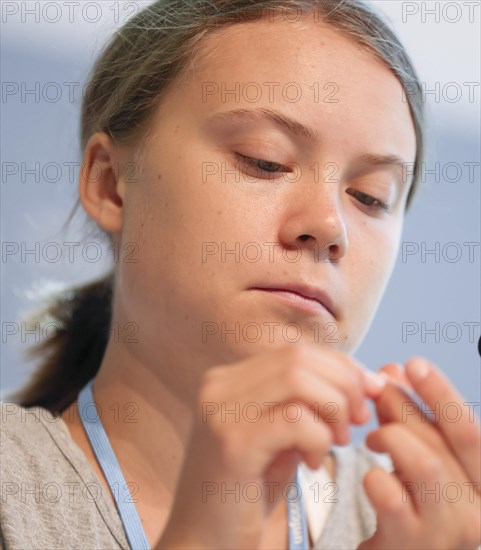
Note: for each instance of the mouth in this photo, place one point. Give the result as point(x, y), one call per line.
point(304, 296)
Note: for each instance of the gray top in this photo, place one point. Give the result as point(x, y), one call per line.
point(52, 498)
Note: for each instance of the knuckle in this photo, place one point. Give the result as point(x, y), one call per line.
point(430, 466)
point(333, 417)
point(210, 398)
point(351, 380)
point(316, 431)
point(293, 375)
point(392, 431)
point(341, 406)
point(206, 391)
point(356, 379)
point(325, 438)
point(353, 384)
point(212, 373)
point(393, 504)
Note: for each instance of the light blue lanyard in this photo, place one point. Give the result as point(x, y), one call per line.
point(105, 455)
point(296, 516)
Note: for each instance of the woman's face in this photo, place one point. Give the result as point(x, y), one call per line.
point(209, 227)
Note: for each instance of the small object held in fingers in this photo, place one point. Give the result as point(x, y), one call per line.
point(427, 413)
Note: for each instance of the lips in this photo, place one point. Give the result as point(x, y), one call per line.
point(305, 291)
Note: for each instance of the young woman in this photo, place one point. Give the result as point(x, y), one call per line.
point(247, 161)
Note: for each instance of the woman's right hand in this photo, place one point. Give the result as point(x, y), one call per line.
point(255, 420)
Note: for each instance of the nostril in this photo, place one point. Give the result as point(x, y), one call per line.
point(333, 252)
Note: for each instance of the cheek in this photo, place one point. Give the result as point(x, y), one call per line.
point(369, 263)
point(180, 226)
point(197, 202)
point(372, 266)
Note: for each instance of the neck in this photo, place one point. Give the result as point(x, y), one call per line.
point(147, 421)
point(148, 424)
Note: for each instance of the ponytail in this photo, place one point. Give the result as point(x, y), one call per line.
point(81, 316)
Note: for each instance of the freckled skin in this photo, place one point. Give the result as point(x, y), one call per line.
point(199, 232)
point(174, 287)
point(369, 117)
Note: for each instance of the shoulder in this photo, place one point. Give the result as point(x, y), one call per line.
point(51, 496)
point(21, 427)
point(30, 442)
point(33, 442)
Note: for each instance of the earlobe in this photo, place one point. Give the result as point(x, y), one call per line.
point(101, 186)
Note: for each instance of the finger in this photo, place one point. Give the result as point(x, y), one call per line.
point(395, 371)
point(282, 468)
point(394, 511)
point(373, 383)
point(422, 472)
point(414, 418)
point(337, 369)
point(351, 378)
point(344, 372)
point(398, 404)
point(455, 420)
point(304, 387)
point(253, 447)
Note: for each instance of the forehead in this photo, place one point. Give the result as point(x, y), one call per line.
point(303, 52)
point(309, 70)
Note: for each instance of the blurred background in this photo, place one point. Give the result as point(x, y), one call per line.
point(432, 306)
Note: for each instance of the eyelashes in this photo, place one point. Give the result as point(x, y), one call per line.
point(368, 200)
point(271, 168)
point(260, 164)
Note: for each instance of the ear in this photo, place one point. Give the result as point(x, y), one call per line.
point(101, 186)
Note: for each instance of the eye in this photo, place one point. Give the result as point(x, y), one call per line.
point(371, 202)
point(262, 165)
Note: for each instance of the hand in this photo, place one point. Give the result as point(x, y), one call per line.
point(259, 446)
point(432, 499)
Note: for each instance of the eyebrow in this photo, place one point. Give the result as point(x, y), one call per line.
point(300, 130)
point(377, 159)
point(280, 119)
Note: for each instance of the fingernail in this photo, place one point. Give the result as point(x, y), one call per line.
point(418, 369)
point(397, 366)
point(377, 379)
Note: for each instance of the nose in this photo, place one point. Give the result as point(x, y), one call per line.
point(314, 221)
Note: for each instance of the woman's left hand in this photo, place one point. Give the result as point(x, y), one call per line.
point(432, 499)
